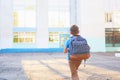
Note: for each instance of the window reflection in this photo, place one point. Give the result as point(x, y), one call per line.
point(116, 19)
point(24, 13)
point(108, 17)
point(53, 37)
point(57, 39)
point(58, 13)
point(24, 37)
point(112, 36)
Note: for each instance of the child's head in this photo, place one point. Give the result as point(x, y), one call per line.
point(74, 30)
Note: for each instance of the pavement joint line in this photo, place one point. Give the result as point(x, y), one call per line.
point(54, 70)
point(103, 74)
point(100, 66)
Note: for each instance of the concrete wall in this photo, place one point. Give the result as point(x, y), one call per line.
point(6, 24)
point(42, 24)
point(88, 14)
point(92, 23)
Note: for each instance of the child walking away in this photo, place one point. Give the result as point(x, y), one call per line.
point(77, 49)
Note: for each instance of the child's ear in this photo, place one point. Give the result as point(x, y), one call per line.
point(78, 31)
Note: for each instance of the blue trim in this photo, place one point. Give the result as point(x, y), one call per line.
point(24, 45)
point(30, 50)
point(23, 29)
point(58, 29)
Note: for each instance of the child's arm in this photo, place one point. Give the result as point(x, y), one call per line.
point(65, 50)
point(66, 46)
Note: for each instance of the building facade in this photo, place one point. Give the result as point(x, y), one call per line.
point(44, 24)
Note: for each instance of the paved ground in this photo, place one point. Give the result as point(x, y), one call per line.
point(54, 66)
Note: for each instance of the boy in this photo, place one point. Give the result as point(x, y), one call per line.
point(75, 59)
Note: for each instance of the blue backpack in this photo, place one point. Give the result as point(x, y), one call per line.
point(78, 45)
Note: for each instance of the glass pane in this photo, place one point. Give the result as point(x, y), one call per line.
point(24, 13)
point(15, 33)
point(30, 2)
point(64, 19)
point(116, 19)
point(32, 33)
point(28, 34)
point(53, 19)
point(21, 40)
point(15, 19)
point(19, 18)
point(112, 36)
point(53, 37)
point(15, 40)
point(30, 18)
point(21, 34)
point(18, 2)
point(15, 37)
point(33, 39)
point(58, 13)
point(28, 40)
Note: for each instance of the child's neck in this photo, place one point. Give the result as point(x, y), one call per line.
point(76, 35)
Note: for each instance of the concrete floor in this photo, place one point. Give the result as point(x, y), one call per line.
point(54, 66)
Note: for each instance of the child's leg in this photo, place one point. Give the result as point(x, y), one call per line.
point(73, 68)
point(77, 64)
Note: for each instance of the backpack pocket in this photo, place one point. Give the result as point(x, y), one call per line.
point(80, 56)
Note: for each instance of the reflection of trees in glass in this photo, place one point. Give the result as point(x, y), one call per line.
point(24, 37)
point(62, 41)
point(21, 40)
point(15, 39)
point(58, 38)
point(53, 37)
point(112, 36)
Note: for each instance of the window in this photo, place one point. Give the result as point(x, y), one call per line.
point(57, 39)
point(63, 38)
point(58, 13)
point(24, 21)
point(58, 22)
point(53, 37)
point(53, 40)
point(108, 17)
point(113, 17)
point(112, 36)
point(24, 37)
point(116, 19)
point(24, 13)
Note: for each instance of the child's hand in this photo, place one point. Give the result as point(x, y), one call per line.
point(65, 50)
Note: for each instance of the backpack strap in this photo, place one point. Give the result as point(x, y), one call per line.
point(84, 62)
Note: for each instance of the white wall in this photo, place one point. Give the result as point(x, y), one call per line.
point(73, 12)
point(111, 6)
point(89, 16)
point(42, 24)
point(92, 23)
point(6, 23)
